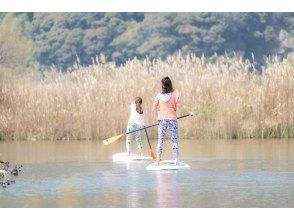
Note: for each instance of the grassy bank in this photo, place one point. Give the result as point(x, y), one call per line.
point(92, 102)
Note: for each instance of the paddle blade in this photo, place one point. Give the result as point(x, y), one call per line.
point(112, 139)
point(152, 154)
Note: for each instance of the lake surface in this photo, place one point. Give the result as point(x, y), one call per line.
point(224, 173)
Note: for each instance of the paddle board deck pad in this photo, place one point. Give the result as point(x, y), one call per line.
point(121, 157)
point(167, 165)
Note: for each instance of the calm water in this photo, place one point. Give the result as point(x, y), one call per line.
point(234, 173)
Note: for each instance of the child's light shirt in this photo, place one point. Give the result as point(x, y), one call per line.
point(136, 117)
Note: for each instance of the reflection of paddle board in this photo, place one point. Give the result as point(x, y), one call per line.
point(167, 165)
point(120, 157)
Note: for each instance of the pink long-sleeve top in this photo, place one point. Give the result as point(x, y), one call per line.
point(166, 104)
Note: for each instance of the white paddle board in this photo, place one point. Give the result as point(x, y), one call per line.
point(121, 157)
point(167, 165)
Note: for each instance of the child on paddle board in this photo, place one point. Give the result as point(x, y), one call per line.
point(166, 104)
point(136, 121)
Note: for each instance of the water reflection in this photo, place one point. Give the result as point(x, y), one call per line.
point(34, 201)
point(224, 173)
point(133, 197)
point(68, 197)
point(167, 189)
point(110, 194)
point(67, 151)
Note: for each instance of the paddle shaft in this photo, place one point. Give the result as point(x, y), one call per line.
point(148, 138)
point(153, 125)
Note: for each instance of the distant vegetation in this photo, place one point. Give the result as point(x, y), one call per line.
point(60, 39)
point(73, 75)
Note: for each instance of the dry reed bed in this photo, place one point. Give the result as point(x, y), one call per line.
point(93, 102)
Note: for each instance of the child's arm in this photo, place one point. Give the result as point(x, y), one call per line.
point(143, 121)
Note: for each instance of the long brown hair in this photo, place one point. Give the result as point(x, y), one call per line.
point(139, 109)
point(167, 86)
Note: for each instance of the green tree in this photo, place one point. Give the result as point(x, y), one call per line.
point(62, 37)
point(59, 38)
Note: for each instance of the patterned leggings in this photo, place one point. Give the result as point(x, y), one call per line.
point(131, 127)
point(172, 125)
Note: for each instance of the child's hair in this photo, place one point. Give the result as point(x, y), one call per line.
point(167, 86)
point(139, 100)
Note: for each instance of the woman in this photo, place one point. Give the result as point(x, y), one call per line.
point(166, 103)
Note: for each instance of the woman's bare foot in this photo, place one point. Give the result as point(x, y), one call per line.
point(140, 153)
point(176, 161)
point(158, 160)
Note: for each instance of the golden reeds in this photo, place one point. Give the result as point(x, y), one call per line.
point(93, 102)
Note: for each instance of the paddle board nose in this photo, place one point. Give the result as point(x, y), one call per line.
point(121, 157)
point(167, 165)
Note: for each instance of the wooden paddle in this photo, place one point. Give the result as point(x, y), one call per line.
point(152, 154)
point(115, 138)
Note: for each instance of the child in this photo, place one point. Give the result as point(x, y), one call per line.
point(136, 121)
point(166, 103)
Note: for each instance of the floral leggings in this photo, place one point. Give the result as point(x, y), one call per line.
point(172, 125)
point(131, 127)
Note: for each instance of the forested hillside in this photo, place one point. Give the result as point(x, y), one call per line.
point(60, 39)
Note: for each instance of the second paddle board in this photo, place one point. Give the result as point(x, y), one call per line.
point(121, 157)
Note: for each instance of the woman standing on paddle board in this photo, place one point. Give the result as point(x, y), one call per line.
point(166, 104)
point(136, 121)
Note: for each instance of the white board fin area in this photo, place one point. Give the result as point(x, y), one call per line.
point(124, 157)
point(167, 165)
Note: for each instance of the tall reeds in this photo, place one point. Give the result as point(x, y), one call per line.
point(229, 100)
